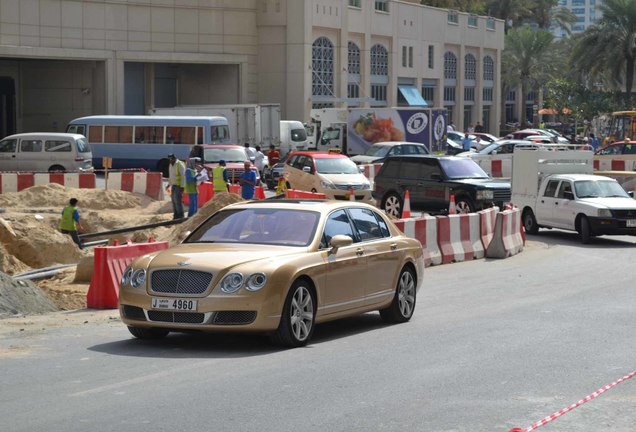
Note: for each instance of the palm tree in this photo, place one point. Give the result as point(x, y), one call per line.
point(528, 59)
point(510, 11)
point(609, 46)
point(545, 13)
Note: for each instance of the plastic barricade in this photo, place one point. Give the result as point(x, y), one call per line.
point(459, 237)
point(206, 193)
point(424, 229)
point(235, 189)
point(109, 264)
point(508, 237)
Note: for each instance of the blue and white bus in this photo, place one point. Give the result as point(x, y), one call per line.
point(146, 141)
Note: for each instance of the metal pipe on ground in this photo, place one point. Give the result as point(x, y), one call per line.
point(42, 273)
point(131, 229)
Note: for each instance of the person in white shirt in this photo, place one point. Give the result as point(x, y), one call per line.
point(450, 127)
point(251, 152)
point(259, 160)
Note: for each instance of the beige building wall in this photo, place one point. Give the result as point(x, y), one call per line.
point(228, 51)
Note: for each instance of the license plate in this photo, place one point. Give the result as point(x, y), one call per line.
point(174, 304)
point(631, 223)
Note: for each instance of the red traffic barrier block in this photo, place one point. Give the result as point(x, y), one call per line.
point(299, 194)
point(109, 265)
point(206, 192)
point(235, 189)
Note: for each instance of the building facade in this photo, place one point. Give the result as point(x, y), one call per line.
point(62, 59)
point(585, 11)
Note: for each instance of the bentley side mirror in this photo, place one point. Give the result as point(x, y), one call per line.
point(338, 241)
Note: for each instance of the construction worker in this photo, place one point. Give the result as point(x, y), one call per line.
point(70, 221)
point(220, 178)
point(191, 186)
point(176, 179)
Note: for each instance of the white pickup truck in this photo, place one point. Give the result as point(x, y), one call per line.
point(556, 189)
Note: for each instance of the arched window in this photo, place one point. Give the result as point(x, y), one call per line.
point(379, 74)
point(353, 78)
point(322, 67)
point(489, 69)
point(354, 59)
point(470, 67)
point(450, 65)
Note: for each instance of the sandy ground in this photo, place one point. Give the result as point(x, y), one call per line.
point(29, 239)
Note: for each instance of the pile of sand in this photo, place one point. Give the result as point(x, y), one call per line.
point(22, 297)
point(30, 239)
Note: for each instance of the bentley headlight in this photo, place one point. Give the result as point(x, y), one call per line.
point(127, 276)
point(232, 282)
point(256, 281)
point(326, 184)
point(604, 213)
point(138, 278)
point(485, 194)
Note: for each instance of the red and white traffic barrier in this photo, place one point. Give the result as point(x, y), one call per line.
point(508, 237)
point(487, 219)
point(370, 170)
point(16, 182)
point(605, 163)
point(145, 183)
point(459, 237)
point(425, 230)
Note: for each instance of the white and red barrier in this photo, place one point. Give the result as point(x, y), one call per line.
point(609, 163)
point(146, 183)
point(16, 182)
point(459, 237)
point(487, 219)
point(425, 230)
point(370, 170)
point(508, 236)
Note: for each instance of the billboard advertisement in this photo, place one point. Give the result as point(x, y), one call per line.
point(367, 126)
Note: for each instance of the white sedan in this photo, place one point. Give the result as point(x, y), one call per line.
point(496, 159)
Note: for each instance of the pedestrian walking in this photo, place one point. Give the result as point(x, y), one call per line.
point(247, 181)
point(191, 184)
point(259, 160)
point(70, 222)
point(176, 180)
point(273, 155)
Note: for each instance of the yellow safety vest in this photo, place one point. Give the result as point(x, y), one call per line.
point(218, 180)
point(177, 172)
point(68, 223)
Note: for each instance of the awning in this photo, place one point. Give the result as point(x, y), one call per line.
point(412, 95)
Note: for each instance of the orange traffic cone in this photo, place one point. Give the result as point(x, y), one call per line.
point(259, 193)
point(451, 205)
point(352, 194)
point(406, 212)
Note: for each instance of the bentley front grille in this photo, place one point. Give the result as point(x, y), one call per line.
point(179, 281)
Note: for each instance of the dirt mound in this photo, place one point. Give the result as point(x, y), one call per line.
point(30, 238)
point(22, 297)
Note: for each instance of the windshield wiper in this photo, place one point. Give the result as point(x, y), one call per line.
point(588, 196)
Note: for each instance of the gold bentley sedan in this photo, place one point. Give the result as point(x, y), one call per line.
point(277, 267)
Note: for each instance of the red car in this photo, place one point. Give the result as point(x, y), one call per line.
point(618, 148)
point(234, 157)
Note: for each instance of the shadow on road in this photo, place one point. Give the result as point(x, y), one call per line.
point(218, 345)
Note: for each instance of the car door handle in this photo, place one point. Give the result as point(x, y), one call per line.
point(393, 246)
point(359, 251)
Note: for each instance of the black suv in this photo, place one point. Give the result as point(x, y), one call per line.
point(431, 180)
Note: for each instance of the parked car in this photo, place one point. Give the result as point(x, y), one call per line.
point(498, 151)
point(234, 157)
point(332, 174)
point(45, 151)
point(486, 138)
point(273, 174)
point(554, 137)
point(618, 148)
point(277, 267)
point(454, 140)
point(431, 180)
point(378, 152)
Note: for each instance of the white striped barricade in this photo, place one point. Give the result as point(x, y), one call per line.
point(487, 220)
point(70, 179)
point(145, 183)
point(370, 170)
point(459, 237)
point(508, 238)
point(423, 229)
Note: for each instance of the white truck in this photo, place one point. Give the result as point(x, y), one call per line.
point(556, 189)
point(257, 124)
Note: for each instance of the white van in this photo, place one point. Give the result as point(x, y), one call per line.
point(45, 151)
point(293, 137)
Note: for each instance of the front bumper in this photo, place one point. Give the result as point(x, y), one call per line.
point(611, 226)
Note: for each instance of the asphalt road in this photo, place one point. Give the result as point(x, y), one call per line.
point(493, 344)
